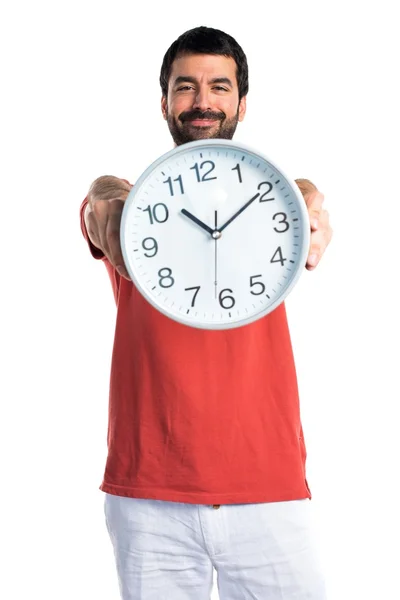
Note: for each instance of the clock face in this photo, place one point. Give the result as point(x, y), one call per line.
point(214, 235)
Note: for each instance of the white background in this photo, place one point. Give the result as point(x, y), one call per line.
point(80, 98)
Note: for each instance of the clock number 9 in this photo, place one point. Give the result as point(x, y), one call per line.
point(167, 276)
point(284, 222)
point(262, 197)
point(224, 300)
point(153, 246)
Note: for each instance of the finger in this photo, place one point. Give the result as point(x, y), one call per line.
point(100, 214)
point(108, 187)
point(93, 228)
point(314, 205)
point(314, 257)
point(113, 237)
point(325, 228)
point(314, 220)
point(318, 244)
point(306, 186)
point(324, 220)
point(315, 201)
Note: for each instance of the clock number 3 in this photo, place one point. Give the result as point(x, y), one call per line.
point(283, 222)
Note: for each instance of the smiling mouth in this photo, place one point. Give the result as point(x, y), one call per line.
point(202, 122)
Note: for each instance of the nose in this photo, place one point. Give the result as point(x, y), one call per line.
point(202, 100)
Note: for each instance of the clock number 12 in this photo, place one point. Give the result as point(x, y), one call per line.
point(204, 176)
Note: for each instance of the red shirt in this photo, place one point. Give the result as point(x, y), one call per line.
point(205, 417)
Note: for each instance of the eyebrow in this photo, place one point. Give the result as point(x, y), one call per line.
point(189, 79)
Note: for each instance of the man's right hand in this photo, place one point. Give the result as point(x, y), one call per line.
point(106, 198)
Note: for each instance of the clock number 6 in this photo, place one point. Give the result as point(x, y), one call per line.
point(167, 276)
point(224, 300)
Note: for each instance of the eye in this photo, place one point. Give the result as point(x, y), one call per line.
point(219, 88)
point(183, 88)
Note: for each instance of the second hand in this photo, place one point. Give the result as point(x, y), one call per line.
point(215, 255)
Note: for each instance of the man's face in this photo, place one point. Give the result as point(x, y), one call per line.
point(203, 98)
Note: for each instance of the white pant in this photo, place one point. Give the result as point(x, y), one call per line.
point(167, 550)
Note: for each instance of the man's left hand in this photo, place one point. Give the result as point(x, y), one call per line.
point(321, 231)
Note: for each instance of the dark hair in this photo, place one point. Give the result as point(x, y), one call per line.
point(205, 40)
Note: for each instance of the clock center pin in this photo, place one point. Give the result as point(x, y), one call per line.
point(216, 234)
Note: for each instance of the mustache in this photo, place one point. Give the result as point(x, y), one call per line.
point(191, 115)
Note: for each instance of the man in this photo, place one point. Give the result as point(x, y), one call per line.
point(206, 456)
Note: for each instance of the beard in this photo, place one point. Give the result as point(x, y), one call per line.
point(183, 131)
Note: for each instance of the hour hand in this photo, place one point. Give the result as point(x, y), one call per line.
point(197, 221)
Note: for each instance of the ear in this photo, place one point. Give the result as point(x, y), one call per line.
point(164, 107)
point(242, 108)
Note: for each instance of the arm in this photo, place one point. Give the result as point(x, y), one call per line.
point(102, 219)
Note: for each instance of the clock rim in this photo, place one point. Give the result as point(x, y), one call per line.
point(196, 144)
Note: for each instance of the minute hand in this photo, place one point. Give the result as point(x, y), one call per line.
point(238, 213)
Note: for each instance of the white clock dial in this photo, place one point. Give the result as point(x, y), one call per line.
point(214, 234)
